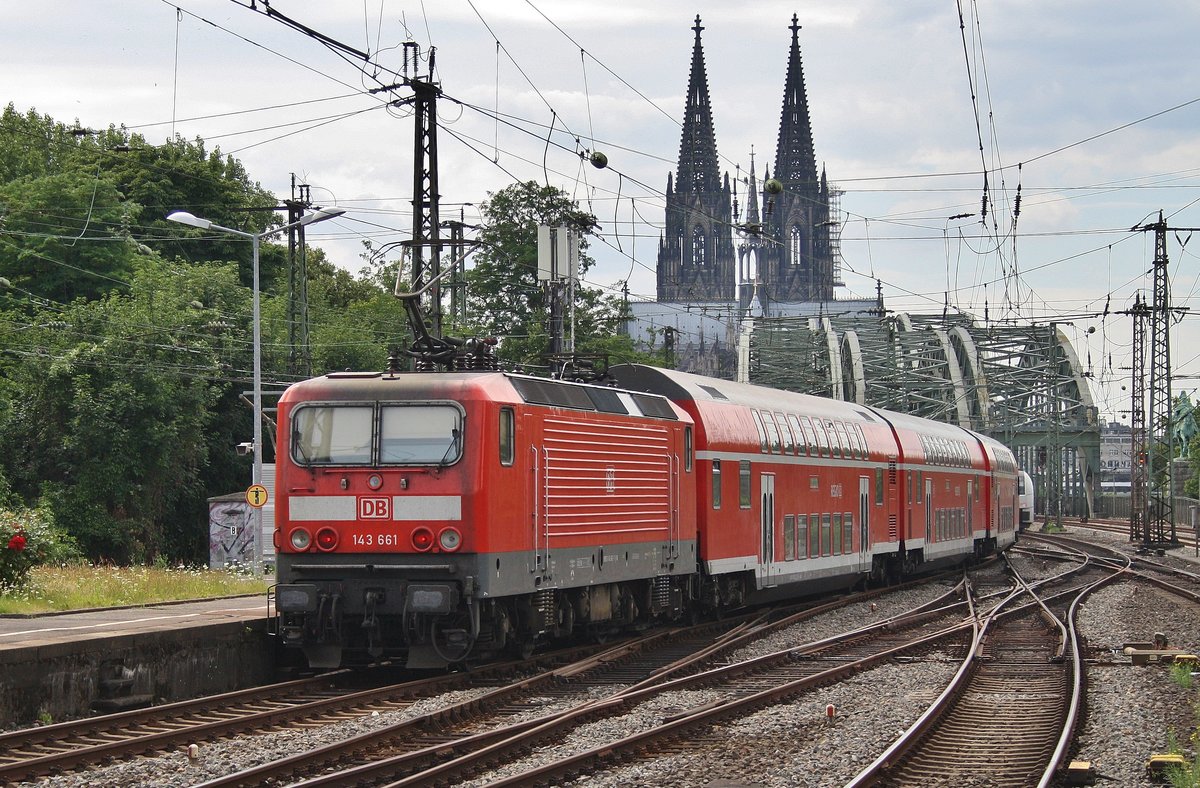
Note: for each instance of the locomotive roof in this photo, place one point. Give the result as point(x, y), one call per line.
point(501, 386)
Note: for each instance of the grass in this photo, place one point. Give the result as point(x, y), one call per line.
point(1181, 674)
point(55, 589)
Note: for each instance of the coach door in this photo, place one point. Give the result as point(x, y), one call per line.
point(928, 509)
point(864, 514)
point(767, 555)
point(970, 507)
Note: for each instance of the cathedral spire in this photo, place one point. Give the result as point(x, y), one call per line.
point(752, 194)
point(698, 167)
point(795, 164)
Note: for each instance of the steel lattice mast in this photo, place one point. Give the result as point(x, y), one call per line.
point(1137, 426)
point(1159, 526)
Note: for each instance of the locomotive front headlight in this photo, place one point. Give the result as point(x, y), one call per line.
point(327, 539)
point(374, 481)
point(300, 539)
point(422, 539)
point(450, 539)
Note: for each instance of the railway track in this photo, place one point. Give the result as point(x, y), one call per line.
point(1009, 715)
point(498, 724)
point(424, 750)
point(32, 752)
point(745, 688)
point(742, 686)
point(313, 702)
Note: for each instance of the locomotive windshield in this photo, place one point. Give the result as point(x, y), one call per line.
point(391, 434)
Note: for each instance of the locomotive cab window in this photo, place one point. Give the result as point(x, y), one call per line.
point(420, 434)
point(323, 435)
point(427, 434)
point(507, 451)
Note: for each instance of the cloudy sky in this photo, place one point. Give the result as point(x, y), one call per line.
point(1089, 108)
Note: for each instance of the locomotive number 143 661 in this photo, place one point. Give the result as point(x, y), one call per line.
point(374, 540)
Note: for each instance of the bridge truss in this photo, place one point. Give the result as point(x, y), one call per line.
point(1022, 385)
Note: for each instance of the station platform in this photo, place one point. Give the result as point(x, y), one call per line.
point(68, 665)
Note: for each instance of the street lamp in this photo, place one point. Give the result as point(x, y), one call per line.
point(320, 215)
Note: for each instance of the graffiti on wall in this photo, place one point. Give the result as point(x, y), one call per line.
point(230, 534)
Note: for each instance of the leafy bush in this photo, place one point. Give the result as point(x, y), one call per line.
point(27, 539)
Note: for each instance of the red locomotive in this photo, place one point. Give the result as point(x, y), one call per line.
point(435, 517)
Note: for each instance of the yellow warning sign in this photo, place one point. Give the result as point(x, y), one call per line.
point(256, 496)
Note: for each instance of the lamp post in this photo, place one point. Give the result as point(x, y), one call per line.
point(320, 215)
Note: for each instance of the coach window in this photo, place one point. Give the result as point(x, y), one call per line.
point(801, 448)
point(324, 435)
point(716, 484)
point(822, 438)
point(852, 440)
point(744, 484)
point(836, 533)
point(789, 537)
point(772, 431)
point(835, 444)
point(802, 536)
point(789, 445)
point(848, 532)
point(910, 486)
point(687, 449)
point(862, 440)
point(506, 436)
point(824, 534)
point(879, 486)
point(810, 435)
point(843, 439)
point(814, 536)
point(762, 431)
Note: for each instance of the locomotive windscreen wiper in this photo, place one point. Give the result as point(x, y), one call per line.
point(299, 444)
point(454, 436)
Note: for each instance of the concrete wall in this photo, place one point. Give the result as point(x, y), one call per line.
point(52, 682)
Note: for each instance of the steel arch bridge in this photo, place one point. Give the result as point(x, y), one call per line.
point(1022, 385)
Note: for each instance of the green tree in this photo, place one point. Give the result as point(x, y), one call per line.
point(116, 419)
point(65, 236)
point(504, 298)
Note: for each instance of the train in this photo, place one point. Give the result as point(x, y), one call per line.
point(437, 518)
point(1025, 500)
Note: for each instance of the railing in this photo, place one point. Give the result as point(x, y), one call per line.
point(1116, 506)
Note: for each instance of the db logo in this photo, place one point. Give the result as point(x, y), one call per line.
point(374, 508)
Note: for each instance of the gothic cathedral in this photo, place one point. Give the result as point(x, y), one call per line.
point(784, 253)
